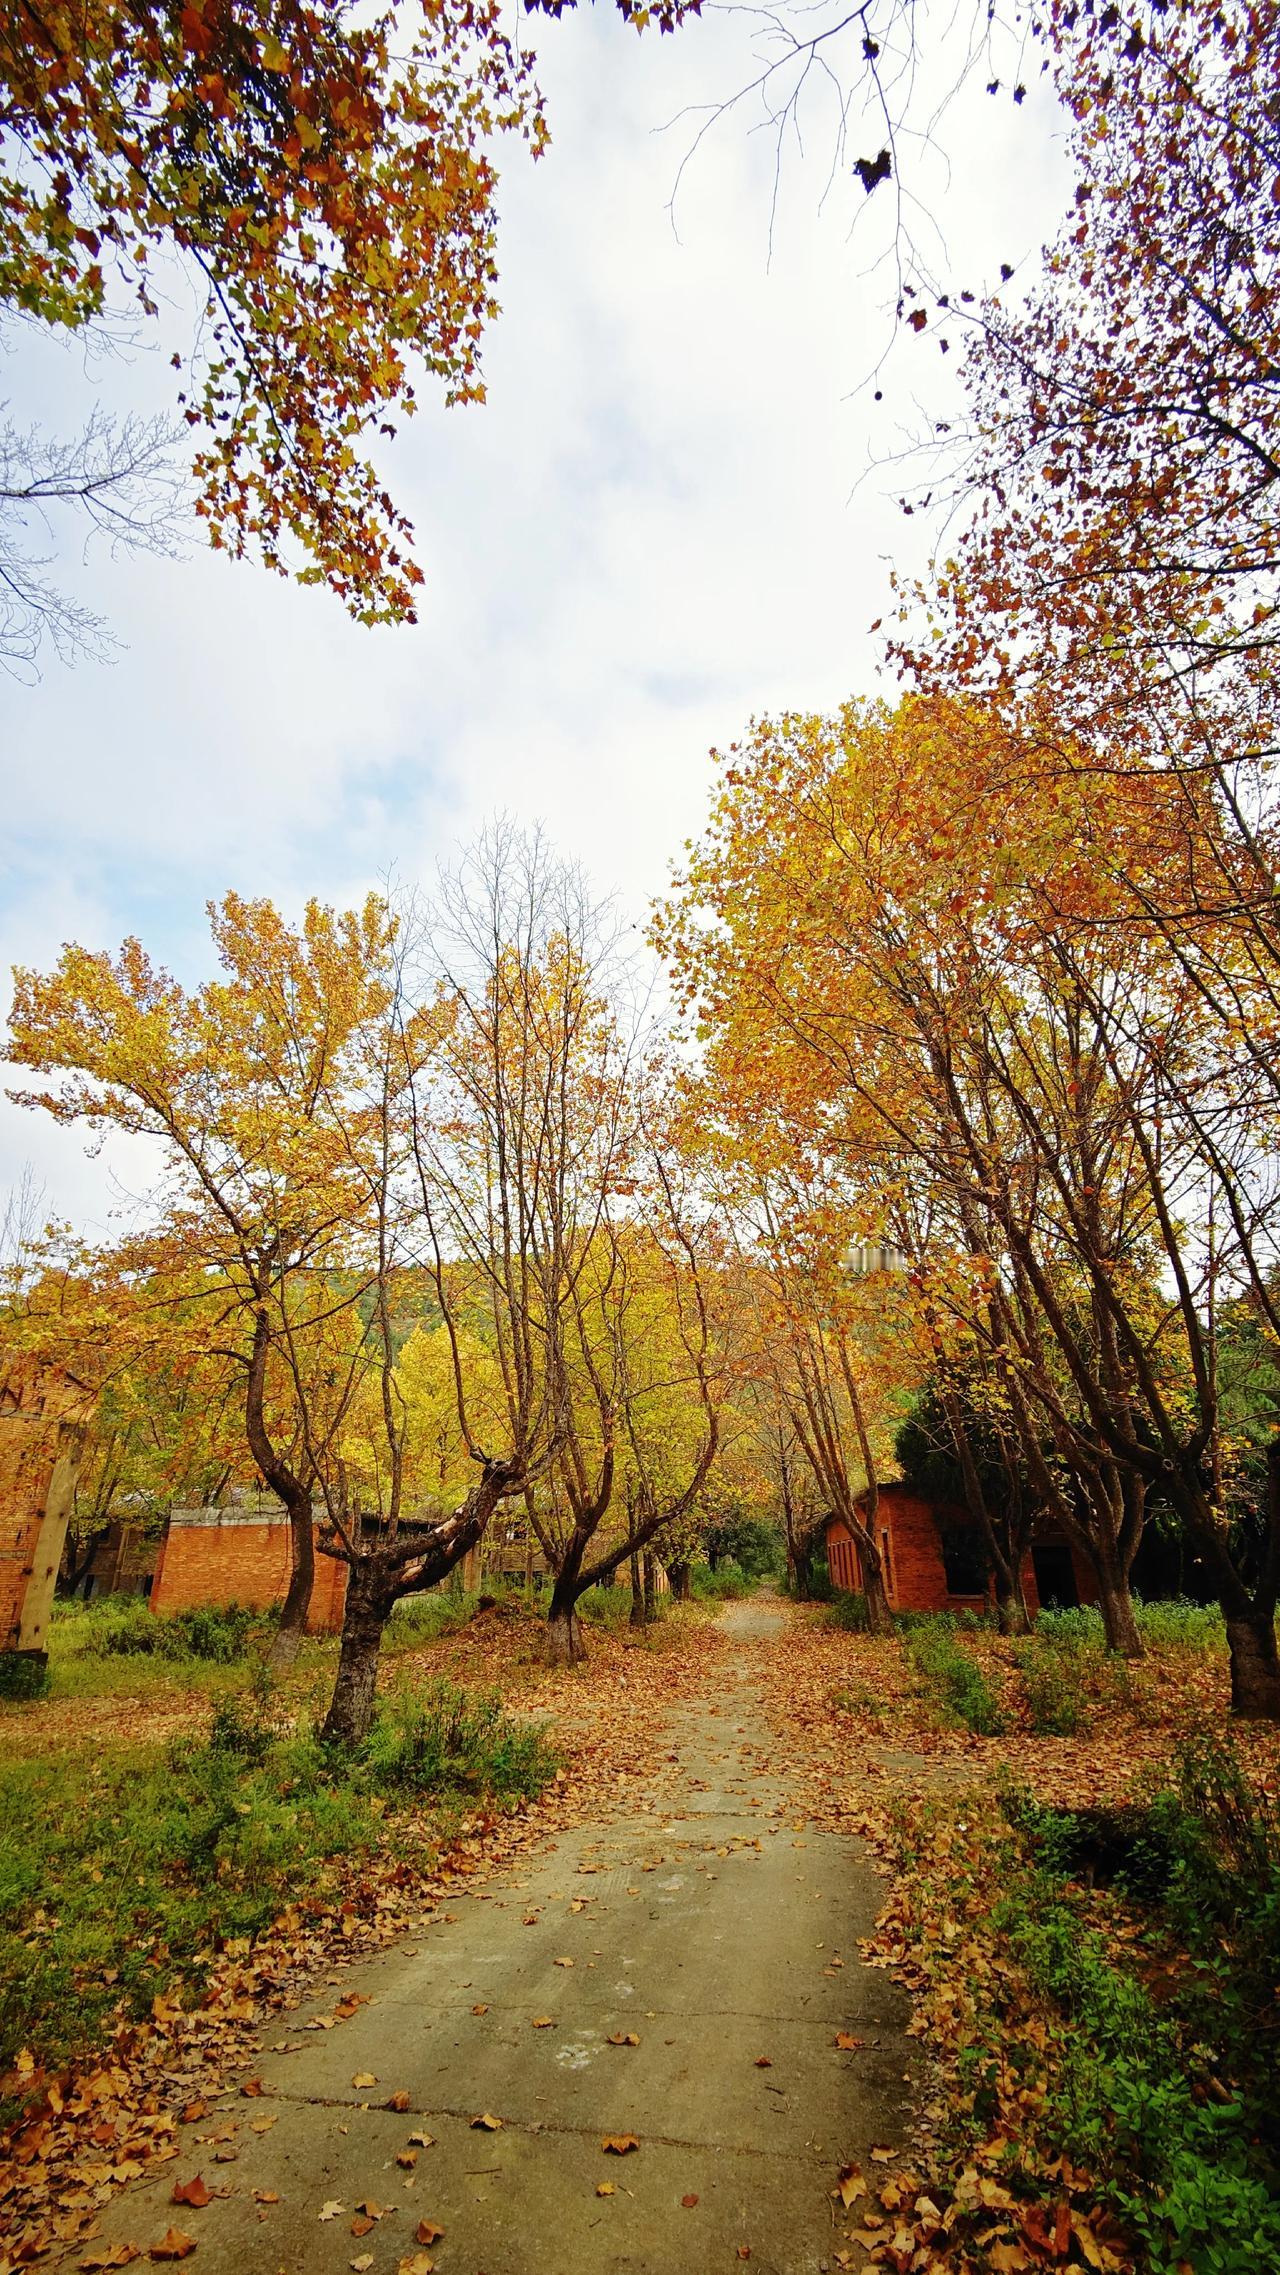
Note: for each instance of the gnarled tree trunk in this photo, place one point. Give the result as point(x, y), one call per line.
point(1255, 1667)
point(370, 1599)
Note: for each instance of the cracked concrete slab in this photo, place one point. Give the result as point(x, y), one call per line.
point(723, 1936)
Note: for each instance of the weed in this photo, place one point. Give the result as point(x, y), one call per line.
point(848, 1612)
point(445, 1739)
point(955, 1679)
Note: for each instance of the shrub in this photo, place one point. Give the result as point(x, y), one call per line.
point(848, 1611)
point(1182, 1626)
point(23, 1674)
point(126, 1627)
point(607, 1607)
point(1051, 1687)
point(956, 1680)
point(445, 1739)
point(725, 1585)
point(424, 1618)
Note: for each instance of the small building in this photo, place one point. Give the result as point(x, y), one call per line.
point(934, 1558)
point(239, 1552)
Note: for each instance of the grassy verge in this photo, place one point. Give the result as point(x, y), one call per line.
point(121, 1874)
point(1099, 1995)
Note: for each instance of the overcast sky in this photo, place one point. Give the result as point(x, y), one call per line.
point(660, 524)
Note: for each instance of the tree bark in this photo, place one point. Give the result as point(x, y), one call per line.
point(565, 1645)
point(302, 1573)
point(650, 1588)
point(637, 1593)
point(1012, 1615)
point(681, 1577)
point(879, 1614)
point(1115, 1603)
point(1255, 1667)
point(355, 1691)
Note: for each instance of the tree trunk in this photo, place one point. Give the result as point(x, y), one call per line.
point(1116, 1606)
point(564, 1628)
point(297, 1602)
point(637, 1593)
point(681, 1577)
point(367, 1609)
point(1012, 1615)
point(879, 1615)
point(1255, 1667)
point(650, 1589)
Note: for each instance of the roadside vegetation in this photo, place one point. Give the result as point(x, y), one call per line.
point(124, 1872)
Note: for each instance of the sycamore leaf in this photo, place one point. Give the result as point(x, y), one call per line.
point(486, 2124)
point(173, 2244)
point(196, 2192)
point(619, 2144)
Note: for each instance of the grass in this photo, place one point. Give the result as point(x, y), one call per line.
point(1106, 1987)
point(953, 1679)
point(119, 1872)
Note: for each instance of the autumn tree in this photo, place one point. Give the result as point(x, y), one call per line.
point(554, 1208)
point(917, 949)
point(329, 188)
point(257, 1205)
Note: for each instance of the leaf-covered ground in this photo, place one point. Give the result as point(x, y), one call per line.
point(1050, 2004)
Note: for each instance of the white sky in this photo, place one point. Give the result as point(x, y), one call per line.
point(650, 533)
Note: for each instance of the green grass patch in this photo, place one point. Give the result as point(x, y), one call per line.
point(726, 1585)
point(1105, 1982)
point(953, 1679)
point(120, 1873)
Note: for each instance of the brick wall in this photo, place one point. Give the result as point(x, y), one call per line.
point(237, 1555)
point(911, 1542)
point(43, 1415)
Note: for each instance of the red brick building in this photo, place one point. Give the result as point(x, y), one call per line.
point(240, 1554)
point(933, 1559)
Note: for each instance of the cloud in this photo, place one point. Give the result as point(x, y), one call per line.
point(649, 533)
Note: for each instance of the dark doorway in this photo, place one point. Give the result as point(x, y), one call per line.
point(1055, 1576)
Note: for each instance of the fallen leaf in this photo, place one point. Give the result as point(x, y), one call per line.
point(619, 2144)
point(480, 2009)
point(407, 2158)
point(362, 2079)
point(360, 2226)
point(764, 2061)
point(365, 2260)
point(422, 2140)
point(688, 2202)
point(173, 2244)
point(486, 2124)
point(253, 2089)
point(194, 2111)
point(195, 2192)
point(265, 2196)
point(623, 2038)
point(544, 2022)
point(331, 2210)
point(371, 2209)
point(427, 2232)
point(110, 2255)
point(564, 1962)
point(605, 2188)
point(847, 2043)
point(744, 2251)
point(850, 2186)
point(264, 2124)
point(416, 2263)
point(398, 2101)
point(884, 2156)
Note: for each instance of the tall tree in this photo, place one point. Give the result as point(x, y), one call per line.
point(258, 1206)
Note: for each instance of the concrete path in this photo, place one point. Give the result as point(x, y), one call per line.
point(715, 1928)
